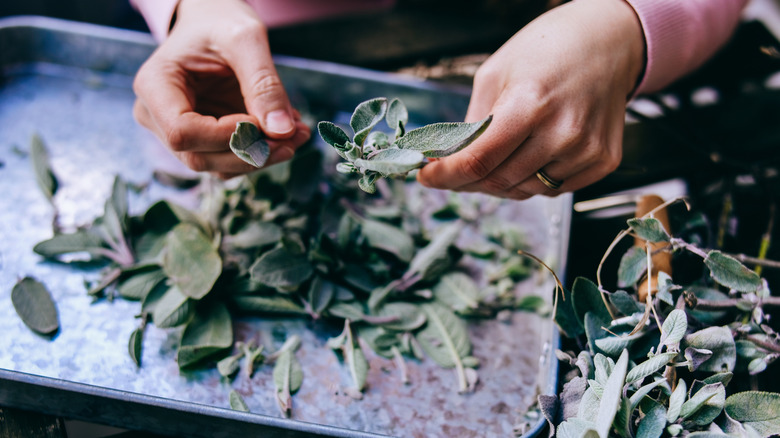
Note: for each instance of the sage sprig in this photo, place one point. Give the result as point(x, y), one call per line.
point(374, 154)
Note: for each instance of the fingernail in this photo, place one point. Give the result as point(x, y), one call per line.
point(279, 122)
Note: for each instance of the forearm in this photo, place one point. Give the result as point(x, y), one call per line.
point(681, 34)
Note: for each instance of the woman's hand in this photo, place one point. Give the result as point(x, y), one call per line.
point(215, 70)
point(557, 91)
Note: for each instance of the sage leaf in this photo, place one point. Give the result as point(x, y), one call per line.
point(729, 272)
point(191, 261)
point(367, 115)
point(332, 134)
point(247, 143)
point(367, 182)
point(434, 258)
point(353, 356)
point(457, 290)
point(282, 268)
point(649, 366)
point(653, 423)
point(632, 266)
point(613, 392)
point(44, 175)
point(676, 401)
point(138, 285)
point(594, 330)
point(443, 139)
point(254, 235)
point(409, 317)
point(173, 309)
point(586, 297)
point(625, 303)
point(209, 332)
point(288, 377)
point(228, 367)
point(649, 229)
point(35, 306)
point(69, 243)
point(444, 338)
point(577, 428)
point(713, 395)
point(388, 238)
point(237, 402)
point(135, 345)
point(397, 117)
point(720, 342)
point(388, 162)
point(352, 311)
point(614, 345)
point(757, 409)
point(320, 295)
point(674, 327)
point(549, 406)
point(565, 317)
point(638, 396)
point(267, 304)
point(696, 357)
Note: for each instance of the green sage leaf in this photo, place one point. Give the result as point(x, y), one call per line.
point(320, 294)
point(729, 272)
point(613, 392)
point(332, 134)
point(649, 366)
point(209, 332)
point(653, 423)
point(191, 261)
point(577, 428)
point(397, 117)
point(443, 139)
point(625, 303)
point(720, 342)
point(247, 143)
point(44, 175)
point(632, 266)
point(444, 338)
point(676, 401)
point(282, 268)
point(367, 182)
point(255, 235)
point(35, 306)
point(288, 376)
point(586, 297)
point(650, 229)
point(367, 115)
point(388, 162)
point(614, 345)
point(457, 290)
point(229, 366)
point(389, 238)
point(79, 241)
point(757, 409)
point(135, 345)
point(674, 327)
point(409, 316)
point(138, 285)
point(237, 402)
point(267, 304)
point(173, 309)
point(434, 258)
point(713, 395)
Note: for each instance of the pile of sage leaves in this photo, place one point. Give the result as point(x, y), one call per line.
point(662, 367)
point(293, 240)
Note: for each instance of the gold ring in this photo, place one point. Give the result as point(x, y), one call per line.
point(547, 181)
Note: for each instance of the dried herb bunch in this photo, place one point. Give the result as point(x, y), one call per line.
point(293, 240)
point(661, 365)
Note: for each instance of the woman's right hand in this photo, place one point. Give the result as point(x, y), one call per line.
point(214, 70)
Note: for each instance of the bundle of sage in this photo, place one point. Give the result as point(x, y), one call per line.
point(294, 240)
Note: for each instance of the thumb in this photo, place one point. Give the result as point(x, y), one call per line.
point(264, 96)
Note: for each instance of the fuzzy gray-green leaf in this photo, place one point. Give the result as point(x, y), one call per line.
point(729, 272)
point(137, 286)
point(457, 290)
point(676, 401)
point(434, 258)
point(34, 304)
point(247, 143)
point(443, 139)
point(209, 332)
point(254, 234)
point(614, 345)
point(332, 134)
point(397, 117)
point(610, 399)
point(586, 297)
point(653, 423)
point(633, 265)
point(388, 162)
point(713, 395)
point(79, 241)
point(720, 342)
point(288, 376)
point(367, 182)
point(44, 175)
point(173, 309)
point(237, 402)
point(649, 229)
point(135, 345)
point(389, 238)
point(650, 366)
point(281, 268)
point(674, 327)
point(757, 409)
point(191, 261)
point(367, 114)
point(409, 316)
point(444, 338)
point(267, 304)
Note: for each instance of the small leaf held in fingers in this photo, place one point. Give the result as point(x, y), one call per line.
point(392, 161)
point(443, 139)
point(247, 143)
point(34, 304)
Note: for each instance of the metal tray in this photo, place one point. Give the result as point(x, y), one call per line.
point(71, 83)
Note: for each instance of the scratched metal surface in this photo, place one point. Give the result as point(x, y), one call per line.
point(70, 83)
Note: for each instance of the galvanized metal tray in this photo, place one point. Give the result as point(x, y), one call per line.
point(71, 84)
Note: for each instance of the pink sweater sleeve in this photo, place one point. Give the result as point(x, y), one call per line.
point(274, 13)
point(681, 34)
